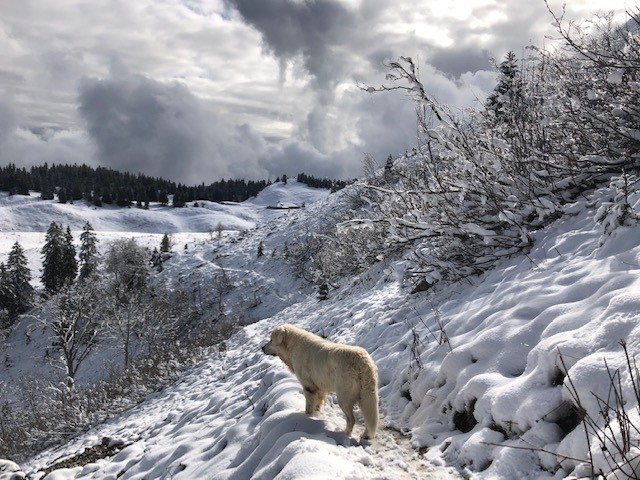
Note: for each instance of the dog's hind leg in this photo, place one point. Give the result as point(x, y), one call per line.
point(321, 400)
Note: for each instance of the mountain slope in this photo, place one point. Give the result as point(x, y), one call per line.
point(482, 374)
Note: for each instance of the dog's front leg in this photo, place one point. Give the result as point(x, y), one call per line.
point(311, 399)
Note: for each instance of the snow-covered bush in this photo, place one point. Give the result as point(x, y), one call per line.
point(128, 263)
point(598, 77)
point(619, 211)
point(482, 183)
point(473, 192)
point(51, 412)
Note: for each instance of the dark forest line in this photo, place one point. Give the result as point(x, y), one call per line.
point(101, 186)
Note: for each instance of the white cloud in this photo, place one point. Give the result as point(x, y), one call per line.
point(280, 72)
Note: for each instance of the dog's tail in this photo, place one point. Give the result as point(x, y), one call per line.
point(369, 404)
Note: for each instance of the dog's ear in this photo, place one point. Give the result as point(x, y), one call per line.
point(279, 335)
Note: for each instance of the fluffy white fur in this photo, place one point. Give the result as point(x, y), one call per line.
point(322, 366)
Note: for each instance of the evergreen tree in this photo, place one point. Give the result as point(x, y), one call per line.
point(323, 290)
point(47, 193)
point(107, 197)
point(19, 276)
point(7, 297)
point(53, 259)
point(62, 195)
point(123, 198)
point(76, 191)
point(179, 199)
point(507, 95)
point(165, 244)
point(21, 183)
point(88, 252)
point(70, 264)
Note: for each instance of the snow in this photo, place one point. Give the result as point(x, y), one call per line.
point(510, 335)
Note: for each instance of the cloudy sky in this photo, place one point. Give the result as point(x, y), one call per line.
point(199, 90)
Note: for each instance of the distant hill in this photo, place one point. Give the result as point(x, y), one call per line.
point(107, 186)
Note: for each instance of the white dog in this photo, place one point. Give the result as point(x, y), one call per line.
point(322, 366)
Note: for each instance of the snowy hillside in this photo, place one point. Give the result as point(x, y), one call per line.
point(25, 219)
point(25, 348)
point(474, 374)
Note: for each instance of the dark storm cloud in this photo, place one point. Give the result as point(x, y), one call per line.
point(458, 60)
point(139, 124)
point(312, 29)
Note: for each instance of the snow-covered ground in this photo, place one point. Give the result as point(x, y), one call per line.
point(486, 355)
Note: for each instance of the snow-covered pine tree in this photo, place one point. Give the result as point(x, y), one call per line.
point(619, 212)
point(69, 262)
point(88, 251)
point(506, 97)
point(53, 259)
point(165, 244)
point(7, 297)
point(19, 276)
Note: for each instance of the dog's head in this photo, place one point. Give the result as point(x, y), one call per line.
point(278, 339)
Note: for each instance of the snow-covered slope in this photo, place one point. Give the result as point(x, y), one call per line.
point(26, 219)
point(487, 356)
point(198, 256)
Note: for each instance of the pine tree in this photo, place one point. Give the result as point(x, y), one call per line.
point(62, 195)
point(76, 191)
point(96, 199)
point(323, 290)
point(507, 95)
point(47, 193)
point(88, 252)
point(19, 276)
point(165, 244)
point(107, 197)
point(70, 264)
point(52, 261)
point(178, 199)
point(7, 296)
